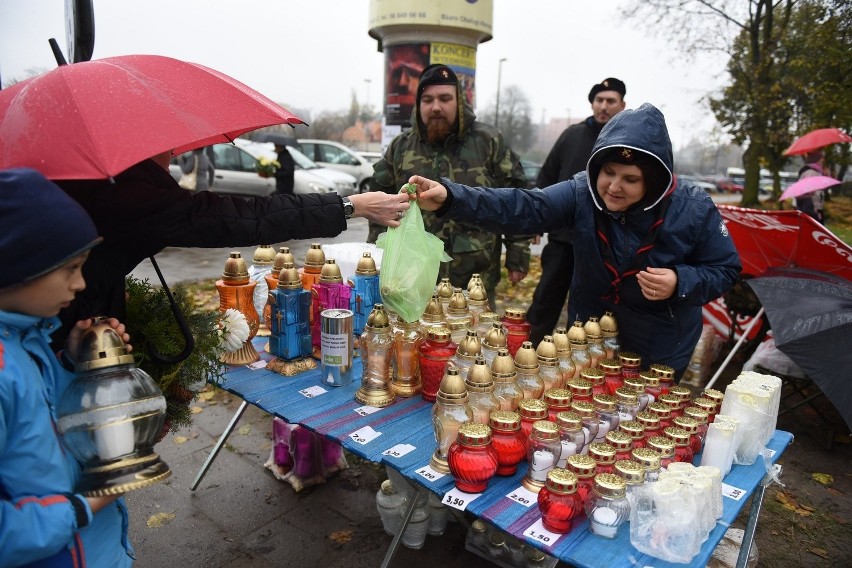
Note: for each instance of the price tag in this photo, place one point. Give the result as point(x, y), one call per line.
point(367, 410)
point(771, 452)
point(364, 435)
point(398, 450)
point(313, 391)
point(257, 365)
point(732, 492)
point(541, 534)
point(459, 499)
point(430, 474)
point(523, 496)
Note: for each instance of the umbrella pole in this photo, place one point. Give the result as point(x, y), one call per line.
point(736, 348)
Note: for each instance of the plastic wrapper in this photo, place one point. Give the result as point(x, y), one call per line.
point(753, 399)
point(410, 264)
point(302, 458)
point(257, 274)
point(768, 356)
point(663, 523)
point(503, 549)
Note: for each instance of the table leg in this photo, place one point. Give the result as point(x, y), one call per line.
point(751, 525)
point(398, 536)
point(215, 451)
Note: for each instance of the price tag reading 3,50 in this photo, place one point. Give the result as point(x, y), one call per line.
point(732, 492)
point(458, 499)
point(364, 435)
point(429, 474)
point(398, 450)
point(523, 496)
point(313, 391)
point(541, 534)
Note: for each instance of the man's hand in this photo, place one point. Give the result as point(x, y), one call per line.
point(430, 194)
point(516, 276)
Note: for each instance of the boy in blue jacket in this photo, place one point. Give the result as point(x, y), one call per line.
point(44, 241)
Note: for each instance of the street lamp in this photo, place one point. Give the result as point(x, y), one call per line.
point(367, 100)
point(497, 108)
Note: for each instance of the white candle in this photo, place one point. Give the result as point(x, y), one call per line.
point(114, 440)
point(569, 448)
point(603, 521)
point(717, 448)
point(542, 463)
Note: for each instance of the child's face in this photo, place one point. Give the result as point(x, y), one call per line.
point(46, 295)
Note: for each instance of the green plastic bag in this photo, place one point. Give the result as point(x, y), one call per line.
point(410, 264)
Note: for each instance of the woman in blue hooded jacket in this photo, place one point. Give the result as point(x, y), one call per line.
point(648, 248)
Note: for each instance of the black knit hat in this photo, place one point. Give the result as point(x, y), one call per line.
point(43, 227)
point(609, 84)
point(436, 74)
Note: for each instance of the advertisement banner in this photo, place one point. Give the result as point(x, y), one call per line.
point(462, 60)
point(474, 15)
point(403, 65)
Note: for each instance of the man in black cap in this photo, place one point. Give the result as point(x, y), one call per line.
point(447, 141)
point(568, 157)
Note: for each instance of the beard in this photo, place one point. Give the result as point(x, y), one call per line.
point(437, 130)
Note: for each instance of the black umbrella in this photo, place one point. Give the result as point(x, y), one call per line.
point(810, 314)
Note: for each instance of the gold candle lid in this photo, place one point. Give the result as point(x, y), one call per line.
point(474, 434)
point(515, 313)
point(671, 401)
point(378, 317)
point(281, 257)
point(477, 296)
point(594, 376)
point(610, 485)
point(526, 358)
point(678, 435)
point(602, 452)
point(495, 337)
point(489, 318)
point(315, 257)
point(546, 352)
point(648, 419)
point(610, 366)
point(545, 430)
point(560, 339)
point(582, 465)
point(288, 277)
point(687, 423)
point(561, 481)
point(503, 366)
point(682, 393)
point(469, 344)
point(592, 327)
point(264, 255)
point(707, 404)
point(504, 421)
point(632, 428)
point(100, 347)
point(475, 279)
point(698, 414)
point(330, 272)
point(583, 408)
point(458, 303)
point(629, 359)
point(440, 334)
point(444, 289)
point(636, 384)
point(569, 420)
point(648, 458)
point(479, 378)
point(366, 265)
point(236, 271)
point(714, 395)
point(608, 323)
point(434, 311)
point(579, 387)
point(576, 334)
point(452, 388)
point(662, 371)
point(662, 445)
point(660, 409)
point(618, 439)
point(631, 471)
point(557, 398)
point(605, 402)
point(532, 409)
point(626, 395)
point(651, 379)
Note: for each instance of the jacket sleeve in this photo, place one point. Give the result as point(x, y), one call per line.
point(713, 265)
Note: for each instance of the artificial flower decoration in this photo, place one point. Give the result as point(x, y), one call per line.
point(266, 167)
point(233, 330)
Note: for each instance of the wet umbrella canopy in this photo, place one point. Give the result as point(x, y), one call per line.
point(816, 139)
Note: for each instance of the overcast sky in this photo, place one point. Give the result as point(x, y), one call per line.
point(312, 54)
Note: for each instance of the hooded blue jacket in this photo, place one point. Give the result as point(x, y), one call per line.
point(39, 526)
point(693, 240)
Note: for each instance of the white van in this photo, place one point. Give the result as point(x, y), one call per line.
point(335, 155)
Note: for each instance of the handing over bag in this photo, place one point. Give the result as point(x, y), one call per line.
point(410, 264)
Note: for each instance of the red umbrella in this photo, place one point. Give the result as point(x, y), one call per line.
point(94, 119)
point(816, 139)
point(808, 185)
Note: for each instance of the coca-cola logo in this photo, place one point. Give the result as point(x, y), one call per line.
point(831, 242)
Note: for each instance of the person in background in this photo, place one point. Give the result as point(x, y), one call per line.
point(568, 157)
point(447, 140)
point(45, 240)
point(649, 248)
point(197, 161)
point(285, 171)
point(812, 203)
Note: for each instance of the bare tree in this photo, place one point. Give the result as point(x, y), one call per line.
point(515, 118)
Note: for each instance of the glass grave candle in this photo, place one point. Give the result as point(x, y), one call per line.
point(604, 456)
point(477, 301)
point(590, 419)
point(581, 389)
point(390, 504)
point(650, 462)
point(627, 403)
point(651, 423)
point(630, 364)
point(662, 411)
point(700, 416)
point(666, 375)
point(637, 385)
point(365, 292)
point(433, 316)
point(494, 340)
point(508, 440)
point(635, 430)
point(290, 316)
point(672, 402)
point(438, 515)
point(444, 291)
point(458, 316)
point(633, 475)
point(707, 405)
point(579, 347)
point(584, 468)
point(472, 459)
point(506, 389)
point(377, 360)
point(719, 446)
point(329, 293)
point(236, 290)
point(683, 394)
point(531, 411)
point(548, 364)
point(597, 378)
point(405, 381)
point(517, 328)
point(570, 426)
point(605, 405)
point(607, 508)
point(594, 338)
point(449, 412)
point(622, 442)
point(485, 321)
point(559, 501)
point(469, 348)
point(526, 365)
point(415, 532)
point(716, 396)
point(691, 426)
point(259, 272)
point(563, 354)
point(680, 437)
point(480, 388)
point(612, 375)
point(652, 386)
point(557, 400)
point(281, 257)
point(609, 330)
point(314, 261)
point(665, 447)
point(435, 353)
point(543, 450)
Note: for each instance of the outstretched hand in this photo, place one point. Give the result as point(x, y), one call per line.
point(430, 194)
point(379, 207)
point(73, 346)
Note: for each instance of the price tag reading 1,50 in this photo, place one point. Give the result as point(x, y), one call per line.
point(429, 474)
point(313, 391)
point(523, 496)
point(458, 499)
point(541, 534)
point(732, 492)
point(364, 435)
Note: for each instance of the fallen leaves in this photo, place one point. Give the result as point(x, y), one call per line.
point(245, 430)
point(184, 439)
point(791, 504)
point(159, 520)
point(822, 553)
point(823, 478)
point(207, 395)
point(196, 410)
point(342, 537)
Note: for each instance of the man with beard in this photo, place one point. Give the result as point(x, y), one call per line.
point(446, 141)
point(568, 157)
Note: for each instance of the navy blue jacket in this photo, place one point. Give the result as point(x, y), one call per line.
point(693, 241)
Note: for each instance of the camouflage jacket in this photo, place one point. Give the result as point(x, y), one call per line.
point(476, 156)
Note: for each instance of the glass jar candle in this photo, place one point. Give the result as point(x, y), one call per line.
point(664, 447)
point(543, 450)
point(622, 442)
point(556, 400)
point(449, 412)
point(558, 501)
point(309, 274)
point(433, 316)
point(680, 437)
point(652, 386)
point(580, 357)
point(627, 403)
point(329, 293)
point(609, 330)
point(651, 423)
point(438, 515)
point(589, 416)
point(597, 352)
point(458, 316)
point(485, 322)
point(700, 417)
point(506, 389)
point(418, 525)
point(637, 385)
point(570, 425)
point(480, 389)
point(604, 456)
point(708, 405)
point(613, 378)
point(597, 378)
point(526, 365)
point(665, 374)
point(563, 354)
point(633, 475)
point(690, 425)
point(390, 504)
point(531, 411)
point(650, 462)
point(435, 352)
point(635, 430)
point(581, 389)
point(607, 508)
point(662, 411)
point(672, 402)
point(472, 459)
point(365, 292)
point(683, 394)
point(716, 396)
point(517, 328)
point(405, 381)
point(444, 291)
point(493, 341)
point(477, 302)
point(377, 360)
point(605, 405)
point(289, 316)
point(630, 364)
point(548, 362)
point(584, 468)
point(468, 348)
point(508, 440)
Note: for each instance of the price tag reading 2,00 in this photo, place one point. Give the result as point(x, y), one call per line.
point(458, 499)
point(523, 496)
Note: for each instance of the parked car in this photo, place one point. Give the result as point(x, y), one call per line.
point(727, 185)
point(335, 155)
point(705, 185)
point(371, 157)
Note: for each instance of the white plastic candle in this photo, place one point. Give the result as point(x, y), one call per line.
point(718, 447)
